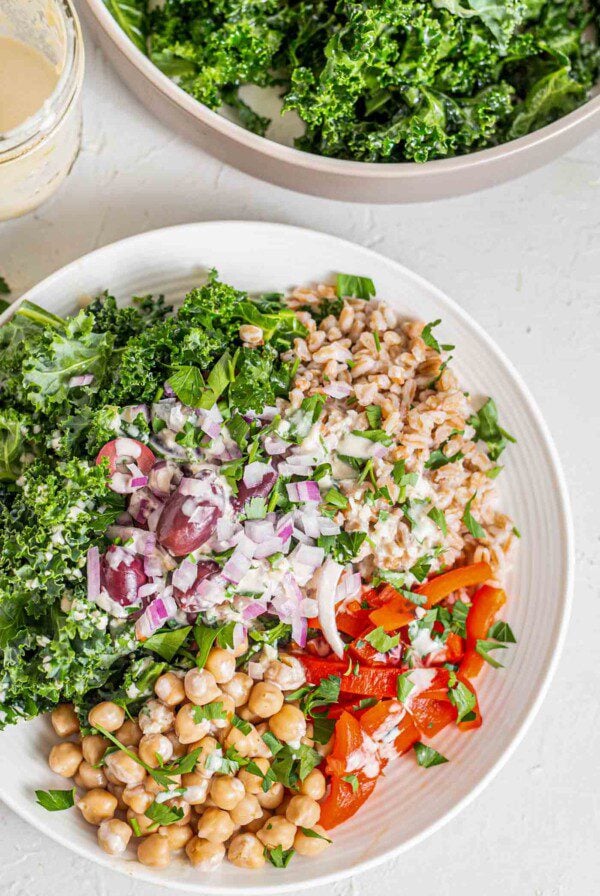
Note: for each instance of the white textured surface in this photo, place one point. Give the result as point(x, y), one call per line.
point(524, 260)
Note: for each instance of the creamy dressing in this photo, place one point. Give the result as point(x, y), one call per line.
point(27, 79)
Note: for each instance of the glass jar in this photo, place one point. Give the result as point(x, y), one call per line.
point(36, 156)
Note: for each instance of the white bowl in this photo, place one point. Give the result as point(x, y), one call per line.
point(320, 176)
point(410, 802)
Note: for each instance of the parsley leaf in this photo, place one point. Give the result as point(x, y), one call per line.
point(430, 340)
point(351, 286)
point(322, 728)
point(381, 641)
point(427, 757)
point(439, 519)
point(464, 700)
point(161, 814)
point(352, 780)
point(404, 686)
point(55, 800)
point(209, 712)
point(501, 631)
point(373, 412)
point(279, 857)
point(475, 528)
point(483, 647)
point(167, 643)
point(308, 832)
point(488, 430)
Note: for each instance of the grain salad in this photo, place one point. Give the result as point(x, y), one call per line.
point(256, 554)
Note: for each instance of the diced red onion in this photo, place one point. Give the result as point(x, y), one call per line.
point(168, 391)
point(153, 518)
point(239, 634)
point(258, 530)
point(328, 527)
point(226, 530)
point(329, 577)
point(268, 547)
point(147, 589)
point(253, 610)
point(142, 504)
point(338, 389)
point(138, 480)
point(185, 575)
point(307, 555)
point(301, 536)
point(268, 413)
point(84, 380)
point(309, 607)
point(308, 519)
point(211, 428)
point(244, 544)
point(305, 491)
point(197, 488)
point(93, 573)
point(273, 445)
point(299, 629)
point(212, 589)
point(156, 613)
point(255, 473)
point(236, 567)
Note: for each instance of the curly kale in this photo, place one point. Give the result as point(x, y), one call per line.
point(66, 388)
point(381, 80)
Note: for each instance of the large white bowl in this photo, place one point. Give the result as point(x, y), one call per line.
point(411, 802)
point(332, 178)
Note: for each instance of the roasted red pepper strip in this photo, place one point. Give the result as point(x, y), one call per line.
point(369, 682)
point(342, 801)
point(486, 604)
point(436, 589)
point(393, 615)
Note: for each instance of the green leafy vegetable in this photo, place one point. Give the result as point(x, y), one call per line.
point(161, 814)
point(501, 631)
point(278, 856)
point(483, 646)
point(475, 528)
point(487, 428)
point(352, 780)
point(209, 712)
point(55, 800)
point(381, 641)
point(464, 700)
point(404, 686)
point(427, 757)
point(168, 643)
point(439, 519)
point(355, 287)
point(308, 832)
point(131, 15)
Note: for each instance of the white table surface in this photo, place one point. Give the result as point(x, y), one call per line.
point(524, 260)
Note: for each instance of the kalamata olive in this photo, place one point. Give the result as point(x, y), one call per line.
point(256, 491)
point(186, 523)
point(206, 568)
point(142, 503)
point(122, 574)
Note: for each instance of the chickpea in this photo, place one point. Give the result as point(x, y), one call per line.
point(241, 648)
point(200, 686)
point(283, 805)
point(169, 689)
point(196, 788)
point(155, 749)
point(238, 688)
point(215, 825)
point(287, 672)
point(96, 805)
point(125, 769)
point(252, 782)
point(277, 831)
point(314, 785)
point(248, 809)
point(117, 790)
point(289, 724)
point(245, 713)
point(65, 758)
point(258, 823)
point(137, 798)
point(262, 748)
point(155, 717)
point(129, 733)
point(114, 836)
point(265, 699)
point(179, 749)
point(245, 744)
point(186, 726)
point(108, 715)
point(145, 825)
point(311, 846)
point(89, 777)
point(303, 811)
point(227, 708)
point(177, 835)
point(154, 851)
point(221, 663)
point(273, 797)
point(93, 747)
point(64, 720)
point(208, 746)
point(204, 855)
point(245, 851)
point(226, 791)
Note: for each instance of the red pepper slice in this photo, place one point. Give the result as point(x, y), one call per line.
point(342, 801)
point(438, 588)
point(368, 681)
point(486, 604)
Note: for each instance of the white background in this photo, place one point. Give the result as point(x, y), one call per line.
point(524, 260)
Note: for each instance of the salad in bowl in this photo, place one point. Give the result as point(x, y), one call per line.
point(251, 553)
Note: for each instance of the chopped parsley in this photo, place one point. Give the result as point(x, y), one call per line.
point(427, 757)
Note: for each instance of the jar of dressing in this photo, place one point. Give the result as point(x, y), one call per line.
point(41, 75)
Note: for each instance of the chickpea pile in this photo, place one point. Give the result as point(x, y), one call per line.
point(220, 814)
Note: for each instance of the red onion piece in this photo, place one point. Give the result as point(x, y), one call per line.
point(84, 380)
point(253, 610)
point(206, 574)
point(156, 613)
point(268, 547)
point(93, 574)
point(185, 575)
point(303, 492)
point(274, 445)
point(329, 577)
point(236, 567)
point(261, 490)
point(308, 555)
point(133, 411)
point(258, 530)
point(142, 504)
point(255, 473)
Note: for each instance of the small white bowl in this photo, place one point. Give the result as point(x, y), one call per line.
point(331, 178)
point(410, 802)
